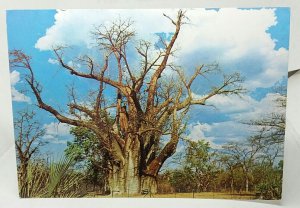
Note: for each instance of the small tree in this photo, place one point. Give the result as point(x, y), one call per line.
point(28, 133)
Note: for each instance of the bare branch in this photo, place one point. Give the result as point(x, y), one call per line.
point(90, 75)
point(162, 66)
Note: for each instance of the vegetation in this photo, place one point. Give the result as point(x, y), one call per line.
point(54, 180)
point(87, 151)
point(215, 171)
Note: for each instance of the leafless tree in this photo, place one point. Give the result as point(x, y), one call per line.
point(28, 141)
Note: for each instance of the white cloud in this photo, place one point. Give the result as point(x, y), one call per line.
point(227, 36)
point(238, 32)
point(238, 110)
point(244, 107)
point(16, 95)
point(196, 131)
point(56, 133)
point(232, 103)
point(73, 27)
point(275, 66)
point(71, 63)
point(218, 133)
point(57, 129)
point(14, 77)
point(261, 108)
point(52, 61)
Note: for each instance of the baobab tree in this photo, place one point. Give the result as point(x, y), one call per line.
point(148, 107)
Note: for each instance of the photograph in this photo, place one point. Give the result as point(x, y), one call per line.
point(149, 103)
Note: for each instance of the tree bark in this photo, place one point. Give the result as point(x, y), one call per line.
point(127, 179)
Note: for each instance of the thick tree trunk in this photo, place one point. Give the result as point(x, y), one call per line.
point(126, 179)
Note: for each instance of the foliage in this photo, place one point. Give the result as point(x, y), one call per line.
point(201, 160)
point(164, 184)
point(199, 170)
point(236, 168)
point(269, 180)
point(271, 132)
point(182, 180)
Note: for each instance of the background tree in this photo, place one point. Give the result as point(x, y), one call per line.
point(268, 179)
point(227, 176)
point(182, 180)
point(28, 140)
point(198, 171)
point(154, 107)
point(271, 132)
point(201, 160)
point(244, 154)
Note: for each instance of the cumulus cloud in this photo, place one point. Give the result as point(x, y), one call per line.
point(236, 38)
point(239, 110)
point(218, 133)
point(71, 63)
point(80, 23)
point(52, 61)
point(261, 108)
point(198, 131)
point(56, 132)
point(232, 103)
point(245, 107)
point(16, 95)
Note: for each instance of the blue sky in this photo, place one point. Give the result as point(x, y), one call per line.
point(253, 42)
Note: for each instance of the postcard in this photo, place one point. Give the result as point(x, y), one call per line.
point(155, 103)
